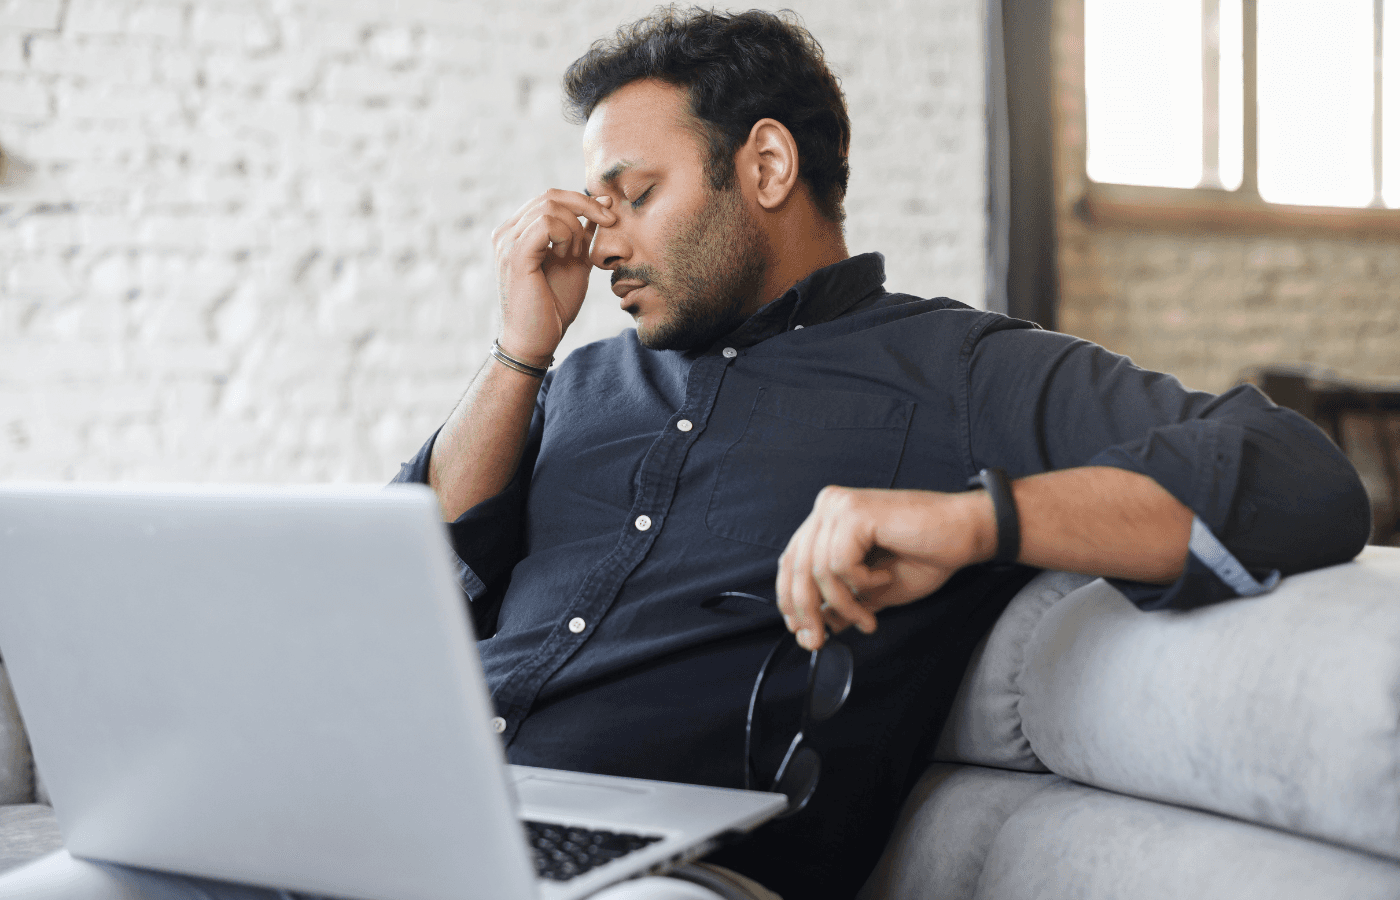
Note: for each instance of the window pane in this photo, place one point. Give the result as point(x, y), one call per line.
point(1390, 105)
point(1231, 94)
point(1142, 81)
point(1315, 97)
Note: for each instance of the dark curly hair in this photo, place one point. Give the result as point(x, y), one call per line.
point(738, 68)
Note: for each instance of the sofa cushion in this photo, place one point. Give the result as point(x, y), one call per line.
point(1068, 840)
point(984, 724)
point(945, 830)
point(1282, 709)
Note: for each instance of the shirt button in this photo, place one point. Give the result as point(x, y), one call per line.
point(643, 523)
point(498, 725)
point(729, 353)
point(576, 625)
point(685, 425)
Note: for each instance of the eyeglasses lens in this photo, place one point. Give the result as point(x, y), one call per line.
point(778, 714)
point(798, 780)
point(831, 682)
point(794, 688)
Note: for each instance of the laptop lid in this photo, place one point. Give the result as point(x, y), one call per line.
point(279, 686)
point(275, 686)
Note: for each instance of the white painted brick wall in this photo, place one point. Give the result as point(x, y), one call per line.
point(249, 239)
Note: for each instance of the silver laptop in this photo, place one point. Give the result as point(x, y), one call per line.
point(279, 686)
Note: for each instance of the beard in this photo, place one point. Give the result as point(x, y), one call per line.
point(714, 268)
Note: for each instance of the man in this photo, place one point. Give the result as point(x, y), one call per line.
point(778, 424)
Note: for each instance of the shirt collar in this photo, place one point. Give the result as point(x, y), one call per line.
point(826, 294)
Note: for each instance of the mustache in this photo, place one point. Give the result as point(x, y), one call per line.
point(644, 274)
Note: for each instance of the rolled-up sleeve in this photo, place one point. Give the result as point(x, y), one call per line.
point(1269, 491)
point(489, 538)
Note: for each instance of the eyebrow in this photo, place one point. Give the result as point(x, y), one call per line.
point(611, 175)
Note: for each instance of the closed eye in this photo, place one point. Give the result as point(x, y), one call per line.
point(642, 198)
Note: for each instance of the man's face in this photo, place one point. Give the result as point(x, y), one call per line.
point(687, 261)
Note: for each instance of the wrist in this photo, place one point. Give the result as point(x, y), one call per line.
point(996, 488)
point(526, 352)
point(980, 525)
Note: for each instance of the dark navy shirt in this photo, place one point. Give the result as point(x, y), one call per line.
point(653, 480)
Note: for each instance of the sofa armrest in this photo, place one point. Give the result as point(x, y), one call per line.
point(1279, 709)
point(984, 725)
point(16, 762)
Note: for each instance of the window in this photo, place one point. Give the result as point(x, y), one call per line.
point(1241, 101)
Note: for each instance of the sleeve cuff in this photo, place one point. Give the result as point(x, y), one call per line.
point(415, 471)
point(472, 586)
point(1212, 574)
point(1207, 548)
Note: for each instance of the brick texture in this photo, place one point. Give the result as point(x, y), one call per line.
point(248, 240)
point(1210, 307)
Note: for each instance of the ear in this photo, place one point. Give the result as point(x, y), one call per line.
point(768, 162)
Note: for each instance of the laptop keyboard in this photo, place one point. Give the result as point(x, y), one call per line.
point(563, 852)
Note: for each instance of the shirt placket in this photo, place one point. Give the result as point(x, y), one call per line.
point(657, 478)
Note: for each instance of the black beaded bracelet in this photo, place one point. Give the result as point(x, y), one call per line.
point(998, 487)
point(510, 362)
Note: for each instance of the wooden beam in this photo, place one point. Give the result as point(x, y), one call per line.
point(1201, 209)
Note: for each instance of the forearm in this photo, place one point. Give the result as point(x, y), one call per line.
point(479, 447)
point(861, 550)
point(1098, 521)
point(1266, 483)
point(542, 267)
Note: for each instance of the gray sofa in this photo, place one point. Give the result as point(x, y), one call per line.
point(1245, 750)
point(1249, 749)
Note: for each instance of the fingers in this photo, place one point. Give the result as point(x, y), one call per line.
point(838, 562)
point(799, 597)
point(578, 205)
point(822, 572)
point(586, 207)
point(550, 222)
point(546, 228)
point(799, 600)
point(542, 268)
point(861, 550)
point(548, 235)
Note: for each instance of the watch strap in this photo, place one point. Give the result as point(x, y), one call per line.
point(998, 488)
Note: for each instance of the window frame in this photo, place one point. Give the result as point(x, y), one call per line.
point(1218, 209)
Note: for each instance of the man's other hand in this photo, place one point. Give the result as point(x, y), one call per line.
point(861, 550)
point(542, 270)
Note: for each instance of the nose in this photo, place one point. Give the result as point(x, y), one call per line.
point(610, 245)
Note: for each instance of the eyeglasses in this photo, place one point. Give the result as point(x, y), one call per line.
point(774, 710)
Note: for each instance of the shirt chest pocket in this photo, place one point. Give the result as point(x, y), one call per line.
point(795, 443)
